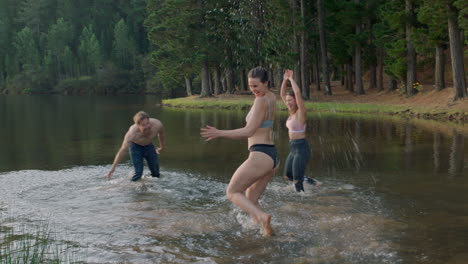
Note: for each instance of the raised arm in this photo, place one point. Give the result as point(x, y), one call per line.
point(297, 93)
point(123, 149)
point(283, 92)
point(252, 125)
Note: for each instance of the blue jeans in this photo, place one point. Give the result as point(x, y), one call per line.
point(296, 162)
point(137, 153)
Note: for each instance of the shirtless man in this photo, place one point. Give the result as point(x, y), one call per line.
point(139, 139)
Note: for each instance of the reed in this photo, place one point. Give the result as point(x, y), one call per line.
point(31, 244)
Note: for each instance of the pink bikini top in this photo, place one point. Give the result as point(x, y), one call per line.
point(294, 126)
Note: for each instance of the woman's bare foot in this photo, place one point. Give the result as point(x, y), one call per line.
point(265, 222)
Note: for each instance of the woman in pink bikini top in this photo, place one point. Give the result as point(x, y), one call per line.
point(299, 150)
point(296, 129)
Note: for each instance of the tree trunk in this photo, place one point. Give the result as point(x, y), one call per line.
point(217, 80)
point(312, 73)
point(230, 83)
point(358, 70)
point(223, 84)
point(373, 76)
point(439, 68)
point(205, 89)
point(277, 76)
point(456, 54)
point(323, 47)
point(380, 69)
point(370, 5)
point(210, 81)
point(243, 81)
point(349, 79)
point(410, 52)
point(346, 77)
point(304, 57)
point(343, 76)
point(333, 74)
point(271, 80)
point(311, 78)
point(2, 77)
point(260, 27)
point(317, 67)
point(188, 86)
point(392, 84)
point(358, 60)
point(296, 49)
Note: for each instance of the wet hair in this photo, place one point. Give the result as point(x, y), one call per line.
point(140, 116)
point(260, 73)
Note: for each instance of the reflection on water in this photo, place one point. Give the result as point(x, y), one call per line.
point(457, 163)
point(394, 191)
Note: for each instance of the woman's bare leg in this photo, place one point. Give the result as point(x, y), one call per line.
point(254, 169)
point(256, 190)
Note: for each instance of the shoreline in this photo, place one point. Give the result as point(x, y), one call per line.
point(242, 102)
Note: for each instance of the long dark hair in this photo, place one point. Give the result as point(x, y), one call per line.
point(260, 73)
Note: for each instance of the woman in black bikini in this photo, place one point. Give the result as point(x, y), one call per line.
point(251, 178)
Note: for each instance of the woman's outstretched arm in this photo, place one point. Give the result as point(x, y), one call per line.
point(252, 125)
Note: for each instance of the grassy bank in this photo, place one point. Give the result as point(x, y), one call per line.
point(244, 102)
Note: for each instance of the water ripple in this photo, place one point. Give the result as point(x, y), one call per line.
point(185, 218)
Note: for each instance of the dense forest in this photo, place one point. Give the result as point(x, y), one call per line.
point(180, 47)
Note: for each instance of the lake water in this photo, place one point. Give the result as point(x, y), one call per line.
point(394, 190)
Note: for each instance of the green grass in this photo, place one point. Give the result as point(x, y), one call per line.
point(245, 103)
point(353, 108)
point(195, 102)
point(30, 244)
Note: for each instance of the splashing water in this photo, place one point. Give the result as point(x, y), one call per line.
point(182, 217)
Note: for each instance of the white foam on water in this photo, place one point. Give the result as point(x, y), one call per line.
point(183, 217)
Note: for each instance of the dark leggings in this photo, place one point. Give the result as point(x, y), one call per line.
point(296, 162)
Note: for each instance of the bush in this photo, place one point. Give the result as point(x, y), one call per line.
point(113, 80)
point(31, 81)
point(82, 85)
